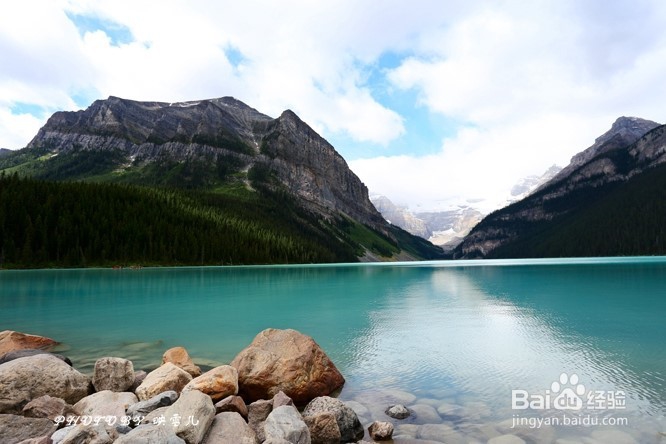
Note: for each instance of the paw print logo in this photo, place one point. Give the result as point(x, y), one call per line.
point(568, 392)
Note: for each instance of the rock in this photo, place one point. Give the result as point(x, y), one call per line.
point(398, 411)
point(257, 412)
point(288, 361)
point(350, 427)
point(217, 383)
point(47, 407)
point(139, 377)
point(10, 356)
point(14, 428)
point(323, 428)
point(25, 379)
point(507, 439)
point(150, 434)
point(154, 416)
point(425, 414)
point(196, 412)
point(359, 408)
point(285, 422)
point(164, 378)
point(115, 374)
point(381, 430)
point(613, 435)
point(142, 408)
point(232, 404)
point(438, 432)
point(13, 340)
point(97, 434)
point(105, 403)
point(281, 399)
point(59, 435)
point(41, 440)
point(230, 428)
point(276, 441)
point(180, 357)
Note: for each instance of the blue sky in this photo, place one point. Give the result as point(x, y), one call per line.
point(432, 102)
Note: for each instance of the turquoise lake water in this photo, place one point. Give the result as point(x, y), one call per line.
point(453, 339)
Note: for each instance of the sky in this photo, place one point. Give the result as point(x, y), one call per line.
point(432, 102)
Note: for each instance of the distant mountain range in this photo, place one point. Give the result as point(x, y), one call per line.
point(610, 200)
point(221, 162)
point(447, 228)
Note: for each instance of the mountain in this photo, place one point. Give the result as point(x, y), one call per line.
point(5, 152)
point(608, 201)
point(222, 156)
point(447, 228)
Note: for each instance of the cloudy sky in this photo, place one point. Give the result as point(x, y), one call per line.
point(430, 101)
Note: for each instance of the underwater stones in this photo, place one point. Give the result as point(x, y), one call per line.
point(398, 411)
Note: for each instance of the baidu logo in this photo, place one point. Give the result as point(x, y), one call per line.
point(568, 393)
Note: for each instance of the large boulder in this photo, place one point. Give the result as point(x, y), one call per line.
point(217, 383)
point(163, 378)
point(150, 434)
point(350, 427)
point(115, 374)
point(286, 423)
point(288, 361)
point(14, 428)
point(179, 357)
point(13, 340)
point(195, 412)
point(47, 407)
point(25, 379)
point(230, 428)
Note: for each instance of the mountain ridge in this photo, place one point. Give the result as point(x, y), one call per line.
point(220, 146)
point(631, 147)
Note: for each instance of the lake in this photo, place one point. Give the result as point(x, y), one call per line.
point(475, 348)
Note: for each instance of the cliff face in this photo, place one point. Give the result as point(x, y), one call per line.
point(628, 149)
point(223, 132)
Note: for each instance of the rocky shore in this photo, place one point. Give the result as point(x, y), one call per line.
point(275, 391)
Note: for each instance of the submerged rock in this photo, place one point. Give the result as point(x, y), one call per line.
point(398, 411)
point(288, 361)
point(13, 340)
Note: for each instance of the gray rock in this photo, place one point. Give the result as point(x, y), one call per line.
point(230, 428)
point(58, 436)
point(350, 427)
point(233, 404)
point(439, 432)
point(164, 378)
point(25, 379)
point(507, 439)
point(105, 403)
point(10, 356)
point(155, 415)
point(41, 440)
point(196, 412)
point(381, 430)
point(285, 422)
point(47, 407)
point(115, 374)
point(323, 428)
point(281, 399)
point(398, 411)
point(425, 414)
point(139, 376)
point(142, 408)
point(14, 428)
point(150, 434)
point(257, 412)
